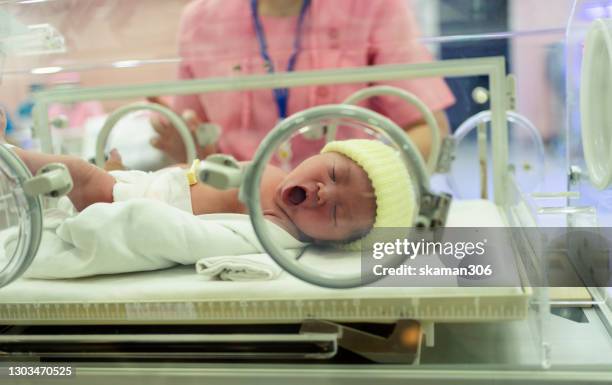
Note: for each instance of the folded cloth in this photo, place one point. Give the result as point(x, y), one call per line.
point(254, 267)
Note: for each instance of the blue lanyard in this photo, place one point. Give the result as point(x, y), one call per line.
point(280, 94)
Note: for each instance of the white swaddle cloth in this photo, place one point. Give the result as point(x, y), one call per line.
point(141, 235)
point(168, 185)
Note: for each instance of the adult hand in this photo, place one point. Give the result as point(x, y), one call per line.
point(169, 140)
point(114, 161)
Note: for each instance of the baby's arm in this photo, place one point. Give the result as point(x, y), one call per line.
point(91, 184)
point(209, 200)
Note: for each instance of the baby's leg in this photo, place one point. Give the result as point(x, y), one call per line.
point(91, 184)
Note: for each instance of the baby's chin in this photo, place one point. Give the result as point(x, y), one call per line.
point(283, 218)
point(289, 220)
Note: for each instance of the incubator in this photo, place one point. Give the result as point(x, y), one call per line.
point(528, 150)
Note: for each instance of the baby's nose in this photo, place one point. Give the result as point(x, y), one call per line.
point(323, 194)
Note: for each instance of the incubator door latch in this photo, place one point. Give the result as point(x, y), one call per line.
point(447, 155)
point(220, 171)
point(575, 175)
point(434, 210)
point(52, 180)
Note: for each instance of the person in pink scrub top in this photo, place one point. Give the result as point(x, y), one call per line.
point(229, 38)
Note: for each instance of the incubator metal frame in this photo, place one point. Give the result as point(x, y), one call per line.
point(494, 68)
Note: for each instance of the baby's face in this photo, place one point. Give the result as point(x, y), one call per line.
point(328, 197)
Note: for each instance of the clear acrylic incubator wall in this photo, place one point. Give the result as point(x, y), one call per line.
point(515, 89)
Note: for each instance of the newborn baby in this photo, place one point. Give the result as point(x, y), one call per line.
point(334, 197)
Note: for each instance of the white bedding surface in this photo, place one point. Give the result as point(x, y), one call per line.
point(182, 284)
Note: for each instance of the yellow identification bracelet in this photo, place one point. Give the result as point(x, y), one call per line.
point(191, 174)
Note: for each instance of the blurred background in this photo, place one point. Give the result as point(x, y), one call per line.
point(116, 42)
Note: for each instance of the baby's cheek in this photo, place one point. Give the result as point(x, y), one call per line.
point(310, 219)
point(313, 223)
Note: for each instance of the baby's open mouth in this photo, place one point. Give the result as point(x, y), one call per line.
point(295, 195)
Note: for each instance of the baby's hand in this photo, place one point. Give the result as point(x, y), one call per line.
point(114, 161)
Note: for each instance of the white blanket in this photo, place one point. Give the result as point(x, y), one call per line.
point(139, 235)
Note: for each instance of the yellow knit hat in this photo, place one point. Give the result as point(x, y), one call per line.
point(392, 185)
